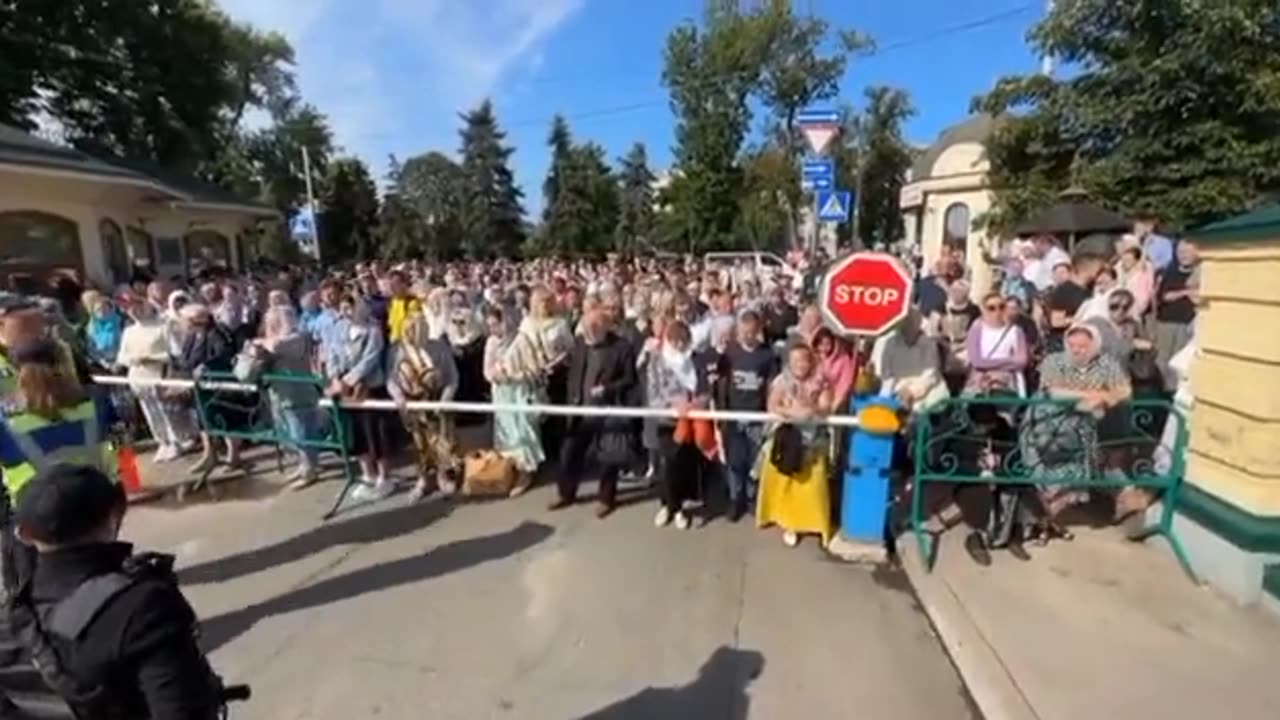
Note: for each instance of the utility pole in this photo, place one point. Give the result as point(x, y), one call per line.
point(311, 205)
point(1047, 62)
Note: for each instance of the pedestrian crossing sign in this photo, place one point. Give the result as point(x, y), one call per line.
point(834, 205)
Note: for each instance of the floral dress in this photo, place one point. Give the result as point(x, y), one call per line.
point(1059, 443)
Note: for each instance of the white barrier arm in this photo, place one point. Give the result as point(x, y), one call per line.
point(492, 408)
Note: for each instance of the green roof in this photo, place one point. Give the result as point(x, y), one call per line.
point(23, 149)
point(1261, 224)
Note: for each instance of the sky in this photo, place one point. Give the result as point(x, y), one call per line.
point(393, 75)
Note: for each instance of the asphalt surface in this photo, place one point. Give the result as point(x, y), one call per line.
point(500, 609)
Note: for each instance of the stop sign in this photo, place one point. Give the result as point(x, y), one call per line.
point(865, 293)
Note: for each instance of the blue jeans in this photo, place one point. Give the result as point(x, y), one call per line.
point(741, 448)
point(300, 424)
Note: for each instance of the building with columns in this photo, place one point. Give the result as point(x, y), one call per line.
point(95, 218)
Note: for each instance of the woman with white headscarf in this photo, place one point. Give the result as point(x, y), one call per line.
point(144, 351)
point(1060, 441)
point(286, 351)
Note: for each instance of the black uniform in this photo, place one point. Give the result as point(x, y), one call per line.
point(121, 629)
point(109, 631)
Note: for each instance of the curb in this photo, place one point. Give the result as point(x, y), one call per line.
point(984, 674)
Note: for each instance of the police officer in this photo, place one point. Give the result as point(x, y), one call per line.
point(110, 631)
point(47, 418)
point(21, 323)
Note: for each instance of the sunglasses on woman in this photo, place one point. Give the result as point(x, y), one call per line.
point(1120, 307)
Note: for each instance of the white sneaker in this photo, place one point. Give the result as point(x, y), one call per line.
point(380, 489)
point(662, 518)
point(448, 487)
point(166, 453)
point(682, 521)
point(790, 538)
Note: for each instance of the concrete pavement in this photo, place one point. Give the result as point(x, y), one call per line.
point(1097, 628)
point(502, 610)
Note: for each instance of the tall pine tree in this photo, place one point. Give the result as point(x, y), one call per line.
point(492, 217)
point(636, 201)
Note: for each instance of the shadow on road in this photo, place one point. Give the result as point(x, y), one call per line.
point(368, 528)
point(448, 558)
point(719, 691)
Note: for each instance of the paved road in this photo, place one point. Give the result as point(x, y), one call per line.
point(502, 610)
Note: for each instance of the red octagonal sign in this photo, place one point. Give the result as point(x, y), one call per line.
point(865, 293)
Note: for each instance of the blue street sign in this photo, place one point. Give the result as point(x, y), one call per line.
point(817, 117)
point(814, 169)
point(834, 205)
point(303, 225)
point(818, 183)
point(818, 174)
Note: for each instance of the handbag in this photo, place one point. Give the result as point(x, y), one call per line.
point(487, 472)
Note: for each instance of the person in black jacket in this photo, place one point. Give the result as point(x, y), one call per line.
point(110, 631)
point(601, 373)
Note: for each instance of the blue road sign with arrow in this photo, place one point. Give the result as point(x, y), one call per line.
point(834, 205)
point(818, 174)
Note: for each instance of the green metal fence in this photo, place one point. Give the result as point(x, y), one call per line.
point(1050, 442)
point(251, 417)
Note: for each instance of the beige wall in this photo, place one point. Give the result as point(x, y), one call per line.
point(958, 176)
point(1235, 424)
point(86, 203)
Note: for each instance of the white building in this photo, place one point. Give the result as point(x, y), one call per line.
point(947, 189)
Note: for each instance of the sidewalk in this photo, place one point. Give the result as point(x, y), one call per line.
point(1097, 628)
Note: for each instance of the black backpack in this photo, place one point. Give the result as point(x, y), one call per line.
point(49, 632)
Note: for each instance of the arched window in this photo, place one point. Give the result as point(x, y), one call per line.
point(113, 252)
point(37, 245)
point(141, 251)
point(206, 250)
point(955, 226)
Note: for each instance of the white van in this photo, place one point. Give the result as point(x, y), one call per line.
point(758, 260)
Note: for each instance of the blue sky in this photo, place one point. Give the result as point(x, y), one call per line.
point(393, 74)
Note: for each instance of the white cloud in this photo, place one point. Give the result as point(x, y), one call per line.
point(393, 74)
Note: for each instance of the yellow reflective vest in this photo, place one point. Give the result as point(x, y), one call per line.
point(30, 443)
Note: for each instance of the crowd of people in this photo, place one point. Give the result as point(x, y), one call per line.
point(677, 335)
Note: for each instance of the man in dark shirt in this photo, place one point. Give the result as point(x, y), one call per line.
point(931, 291)
point(779, 317)
point(1177, 295)
point(601, 372)
point(1065, 299)
point(117, 622)
point(748, 366)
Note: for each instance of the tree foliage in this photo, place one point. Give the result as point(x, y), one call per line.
point(636, 199)
point(349, 210)
point(492, 217)
point(883, 169)
point(581, 198)
point(431, 185)
point(1172, 107)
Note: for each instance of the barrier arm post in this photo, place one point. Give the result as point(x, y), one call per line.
point(865, 500)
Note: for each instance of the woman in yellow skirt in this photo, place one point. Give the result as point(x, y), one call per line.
point(798, 501)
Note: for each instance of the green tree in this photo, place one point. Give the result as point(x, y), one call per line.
point(492, 217)
point(581, 193)
point(635, 202)
point(710, 74)
point(763, 219)
point(349, 212)
point(560, 140)
point(151, 79)
point(432, 185)
point(886, 159)
point(1173, 107)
